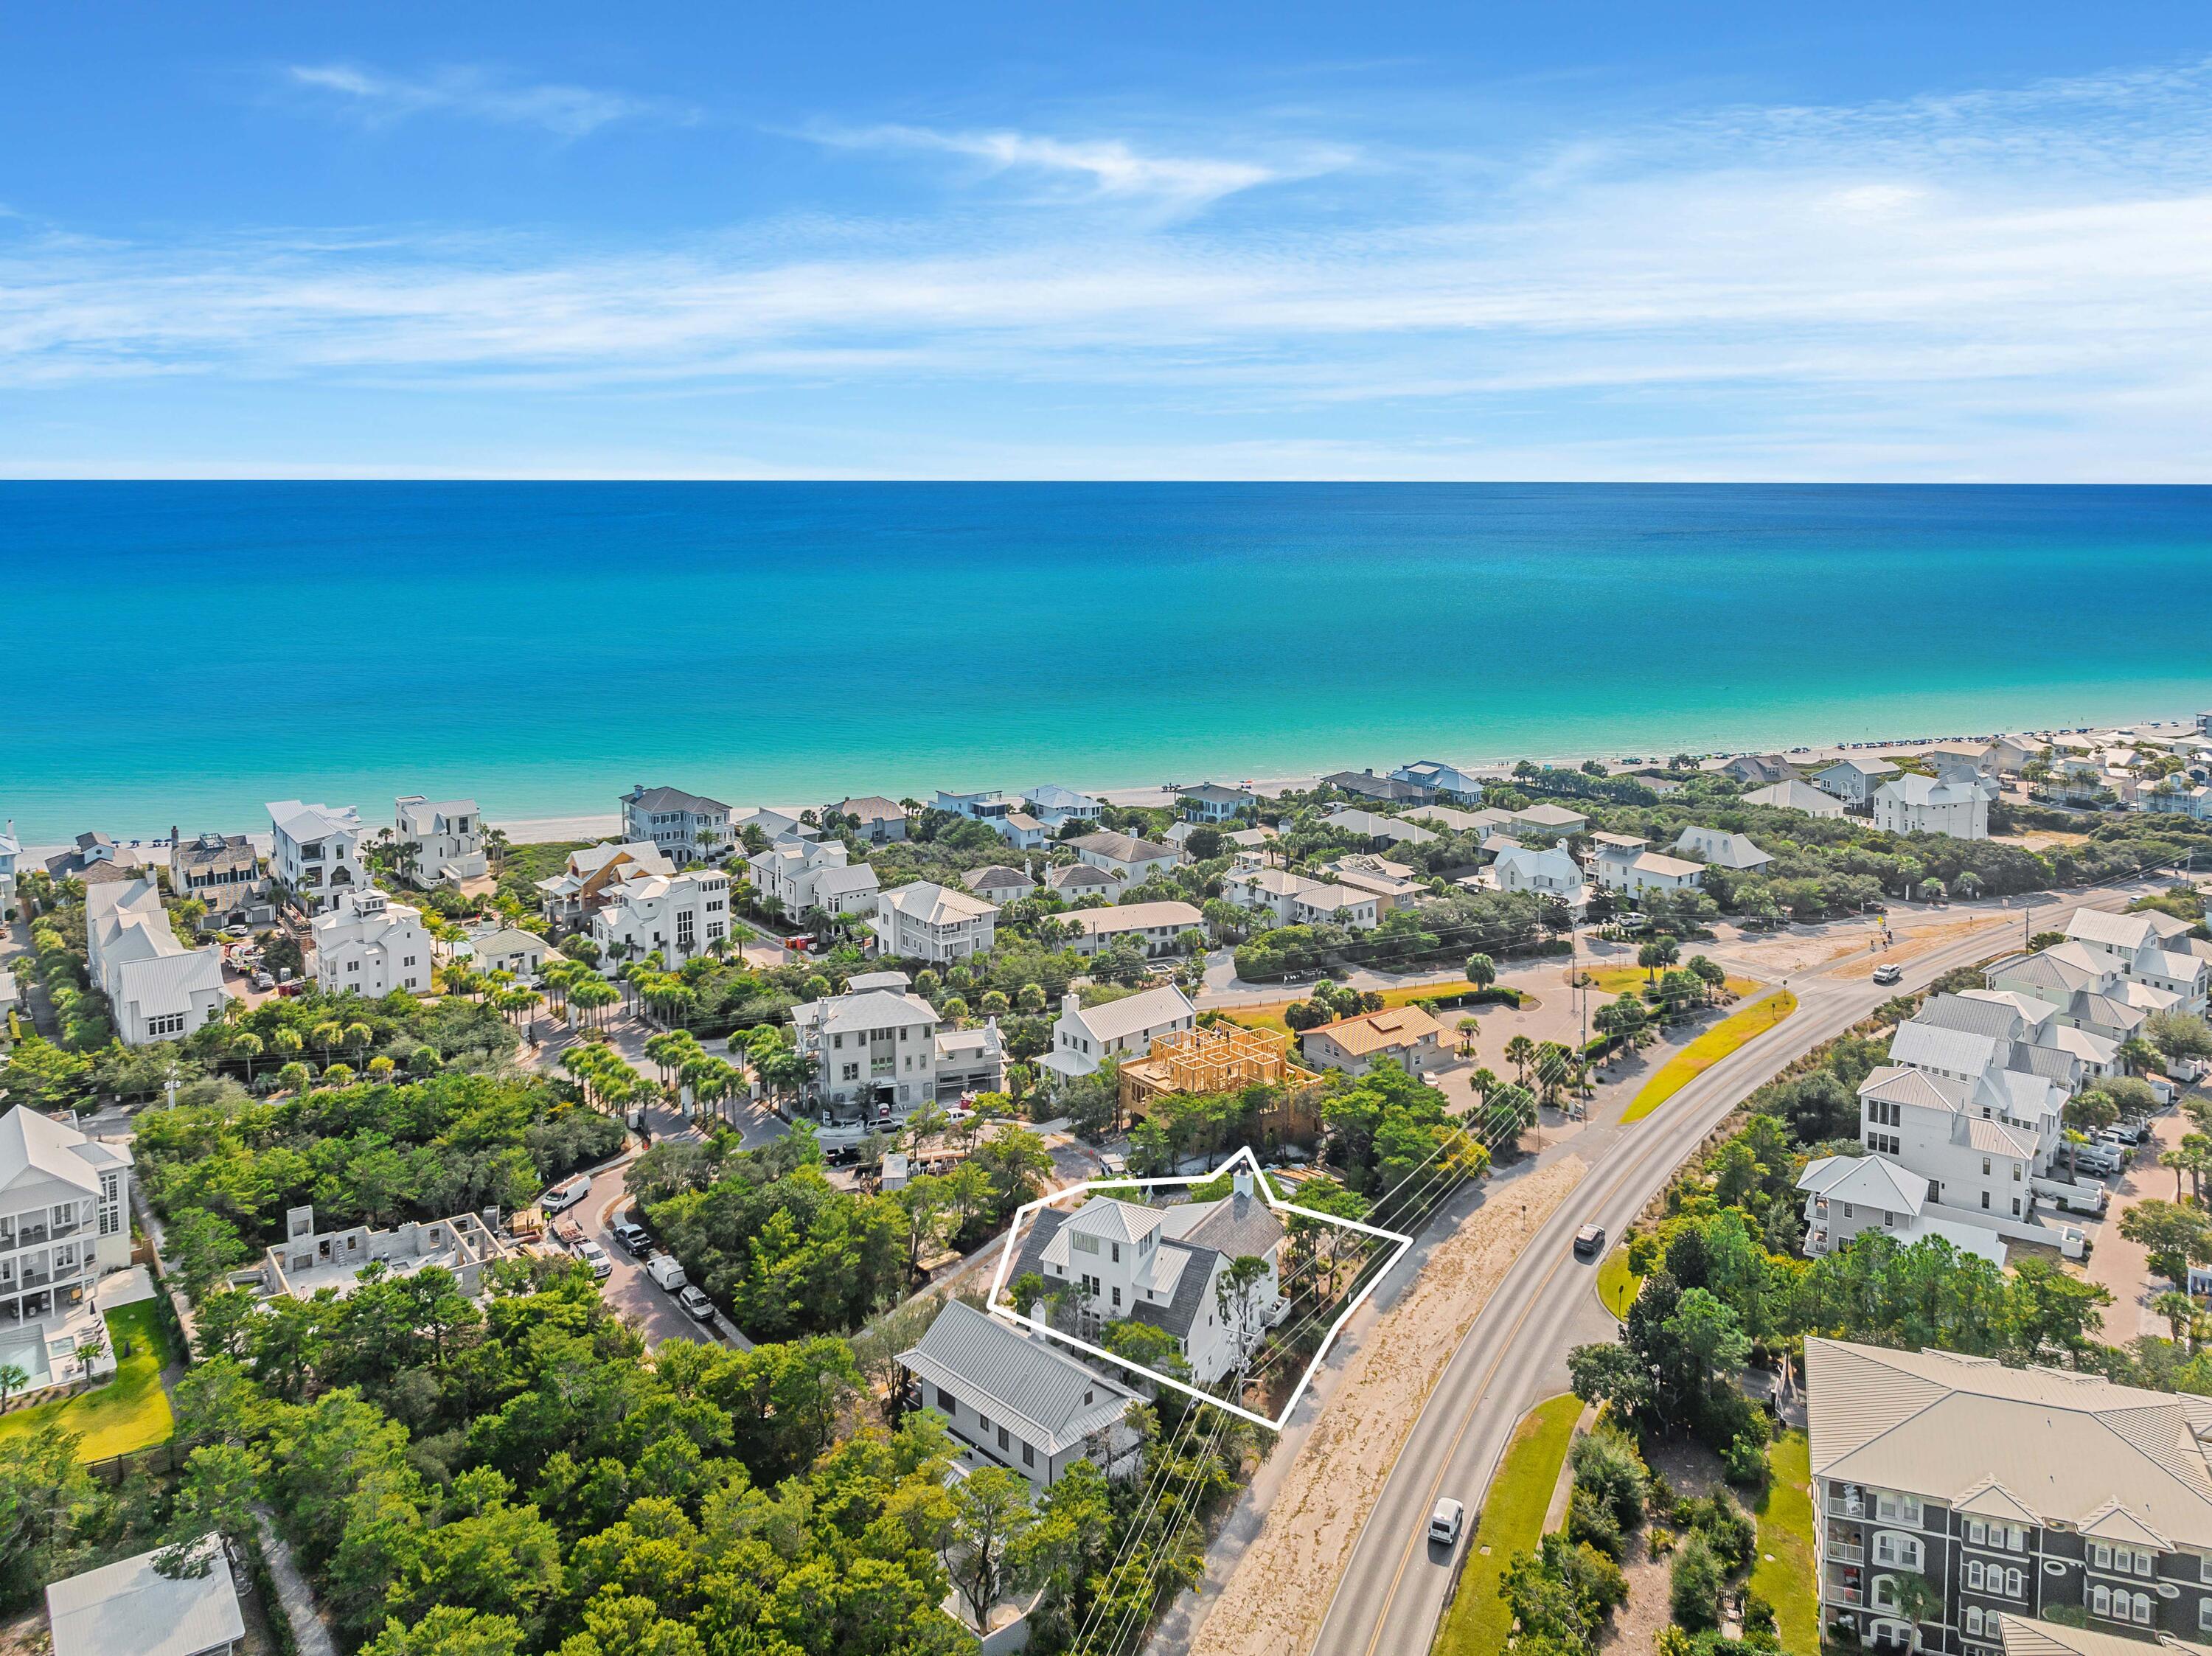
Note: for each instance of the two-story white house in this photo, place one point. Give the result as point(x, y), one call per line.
point(1911, 803)
point(447, 836)
point(1086, 1037)
point(372, 945)
point(802, 874)
point(682, 915)
point(1128, 858)
point(1014, 1399)
point(1054, 805)
point(315, 851)
point(157, 988)
point(64, 1222)
point(1116, 1261)
point(11, 853)
point(1294, 900)
point(882, 1051)
point(688, 828)
point(1161, 928)
point(940, 923)
point(1621, 862)
point(1550, 872)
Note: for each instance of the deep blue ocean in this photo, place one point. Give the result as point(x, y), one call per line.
point(180, 652)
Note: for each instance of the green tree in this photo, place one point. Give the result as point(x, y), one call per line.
point(992, 1519)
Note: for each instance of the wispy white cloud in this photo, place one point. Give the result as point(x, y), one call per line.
point(1968, 287)
point(570, 112)
point(1109, 168)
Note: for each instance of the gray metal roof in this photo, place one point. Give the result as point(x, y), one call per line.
point(130, 1608)
point(1019, 1379)
point(1997, 1020)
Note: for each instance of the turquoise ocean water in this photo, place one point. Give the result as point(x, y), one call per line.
point(180, 652)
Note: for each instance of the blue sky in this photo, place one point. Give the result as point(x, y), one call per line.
point(1137, 240)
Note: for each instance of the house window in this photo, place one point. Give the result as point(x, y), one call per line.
point(1004, 1439)
point(1029, 1454)
point(2140, 1610)
point(945, 1401)
point(2204, 1615)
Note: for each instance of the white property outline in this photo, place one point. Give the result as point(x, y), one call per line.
point(1259, 1179)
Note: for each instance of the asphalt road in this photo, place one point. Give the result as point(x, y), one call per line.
point(1392, 1591)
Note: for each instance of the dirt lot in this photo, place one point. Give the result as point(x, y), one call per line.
point(1634, 1629)
point(1275, 1600)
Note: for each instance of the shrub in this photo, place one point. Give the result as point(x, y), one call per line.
point(1745, 1460)
point(1659, 1540)
point(1729, 1530)
point(1607, 1465)
point(1590, 1519)
point(1693, 1592)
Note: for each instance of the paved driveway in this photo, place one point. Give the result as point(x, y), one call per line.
point(2122, 1267)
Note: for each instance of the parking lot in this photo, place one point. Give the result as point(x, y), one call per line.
point(2122, 1267)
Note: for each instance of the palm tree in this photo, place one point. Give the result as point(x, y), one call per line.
point(13, 1379)
point(293, 1077)
point(338, 1075)
point(1469, 1029)
point(247, 1046)
point(2178, 1160)
point(288, 1042)
point(1520, 1052)
point(2180, 1311)
point(357, 1037)
point(381, 1068)
point(328, 1036)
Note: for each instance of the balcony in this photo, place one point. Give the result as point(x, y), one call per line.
point(1847, 1506)
point(1837, 1593)
point(1846, 1552)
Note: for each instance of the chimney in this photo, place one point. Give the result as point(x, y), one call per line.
point(1241, 1181)
point(1071, 1003)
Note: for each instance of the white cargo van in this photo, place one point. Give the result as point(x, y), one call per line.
point(664, 1270)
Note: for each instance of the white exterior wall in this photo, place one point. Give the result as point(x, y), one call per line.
point(1976, 1182)
point(1963, 819)
point(451, 843)
point(372, 946)
point(682, 915)
point(325, 864)
point(1079, 1051)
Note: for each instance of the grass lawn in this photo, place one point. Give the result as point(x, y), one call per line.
point(1617, 1284)
point(1626, 980)
point(1512, 1521)
point(130, 1412)
point(1785, 1530)
point(1709, 1049)
point(1269, 1014)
